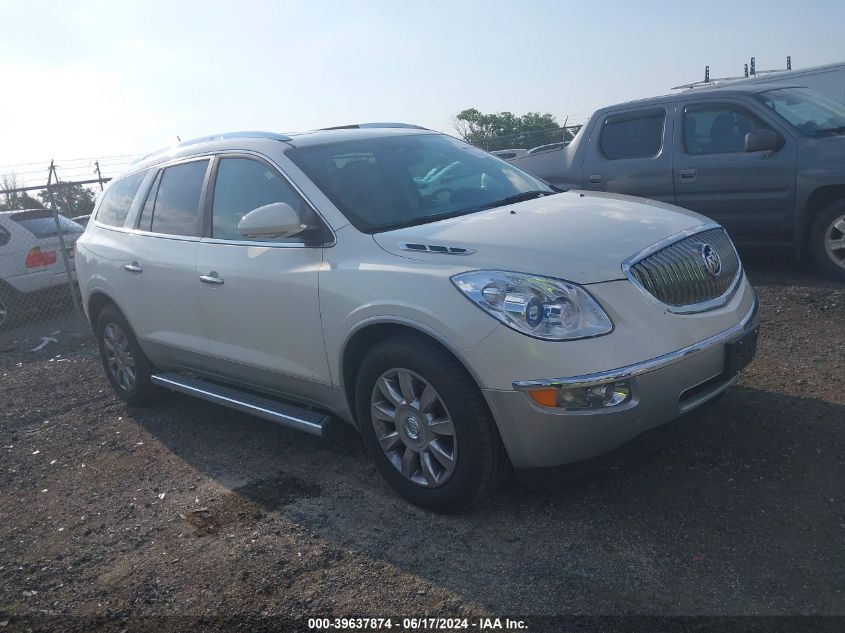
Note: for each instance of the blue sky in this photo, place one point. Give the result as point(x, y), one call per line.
point(94, 78)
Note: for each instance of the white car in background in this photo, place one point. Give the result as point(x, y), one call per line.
point(507, 154)
point(31, 263)
point(463, 325)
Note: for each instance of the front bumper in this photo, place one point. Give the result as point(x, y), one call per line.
point(662, 389)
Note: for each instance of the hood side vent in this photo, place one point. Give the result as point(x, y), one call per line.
point(430, 248)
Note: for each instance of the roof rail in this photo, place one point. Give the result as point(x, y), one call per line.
point(230, 135)
point(274, 136)
point(362, 126)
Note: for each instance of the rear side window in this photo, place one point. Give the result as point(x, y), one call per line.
point(173, 204)
point(116, 202)
point(633, 136)
point(5, 236)
point(718, 128)
point(42, 224)
point(243, 184)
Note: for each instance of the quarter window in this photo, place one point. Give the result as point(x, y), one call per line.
point(243, 184)
point(116, 202)
point(718, 128)
point(633, 136)
point(173, 204)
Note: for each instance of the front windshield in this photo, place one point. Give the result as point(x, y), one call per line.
point(393, 181)
point(810, 112)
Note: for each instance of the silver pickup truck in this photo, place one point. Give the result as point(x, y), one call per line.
point(766, 161)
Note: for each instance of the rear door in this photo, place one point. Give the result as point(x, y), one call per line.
point(258, 296)
point(160, 286)
point(630, 152)
point(752, 194)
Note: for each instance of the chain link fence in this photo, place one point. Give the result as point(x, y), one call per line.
point(527, 142)
point(39, 295)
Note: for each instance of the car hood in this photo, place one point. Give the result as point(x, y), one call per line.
point(579, 236)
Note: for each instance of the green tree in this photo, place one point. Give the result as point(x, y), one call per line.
point(72, 199)
point(18, 199)
point(502, 130)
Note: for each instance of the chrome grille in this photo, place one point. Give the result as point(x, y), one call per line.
point(696, 272)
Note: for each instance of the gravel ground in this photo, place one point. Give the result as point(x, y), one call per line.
point(187, 509)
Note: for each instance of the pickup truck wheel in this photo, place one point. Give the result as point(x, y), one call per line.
point(426, 425)
point(827, 240)
point(127, 368)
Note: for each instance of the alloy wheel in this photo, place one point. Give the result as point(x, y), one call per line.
point(119, 358)
point(414, 427)
point(834, 241)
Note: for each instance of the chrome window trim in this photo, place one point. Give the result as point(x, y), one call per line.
point(166, 236)
point(637, 369)
point(693, 308)
point(216, 240)
point(132, 231)
point(108, 227)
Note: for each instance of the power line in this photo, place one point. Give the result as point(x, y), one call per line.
point(91, 181)
point(46, 163)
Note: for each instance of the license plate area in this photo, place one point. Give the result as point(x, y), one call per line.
point(740, 352)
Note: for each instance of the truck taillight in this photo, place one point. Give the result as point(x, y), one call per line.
point(36, 258)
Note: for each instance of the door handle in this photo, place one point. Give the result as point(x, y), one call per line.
point(134, 267)
point(596, 178)
point(212, 278)
point(687, 174)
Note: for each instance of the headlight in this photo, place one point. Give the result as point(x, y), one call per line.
point(542, 307)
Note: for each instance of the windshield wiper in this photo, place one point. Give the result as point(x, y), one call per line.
point(519, 197)
point(830, 130)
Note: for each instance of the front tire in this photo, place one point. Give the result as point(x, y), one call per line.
point(426, 425)
point(127, 367)
point(827, 240)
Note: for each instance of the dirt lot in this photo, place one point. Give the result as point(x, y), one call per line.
point(188, 509)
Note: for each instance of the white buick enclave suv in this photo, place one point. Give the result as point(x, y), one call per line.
point(464, 316)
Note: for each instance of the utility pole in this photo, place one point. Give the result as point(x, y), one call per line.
point(50, 175)
point(99, 175)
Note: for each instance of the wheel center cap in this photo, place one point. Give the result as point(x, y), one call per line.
point(412, 427)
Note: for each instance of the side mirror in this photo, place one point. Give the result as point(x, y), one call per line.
point(275, 220)
point(763, 141)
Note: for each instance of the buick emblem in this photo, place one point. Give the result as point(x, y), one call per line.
point(710, 258)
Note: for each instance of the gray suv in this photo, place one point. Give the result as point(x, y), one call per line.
point(765, 161)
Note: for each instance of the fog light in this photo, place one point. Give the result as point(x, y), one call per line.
point(605, 395)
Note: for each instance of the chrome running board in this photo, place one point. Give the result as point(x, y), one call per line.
point(284, 413)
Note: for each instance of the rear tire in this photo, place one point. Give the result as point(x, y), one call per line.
point(446, 416)
point(127, 367)
point(827, 240)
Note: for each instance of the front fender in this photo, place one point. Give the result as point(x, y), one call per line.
point(394, 290)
